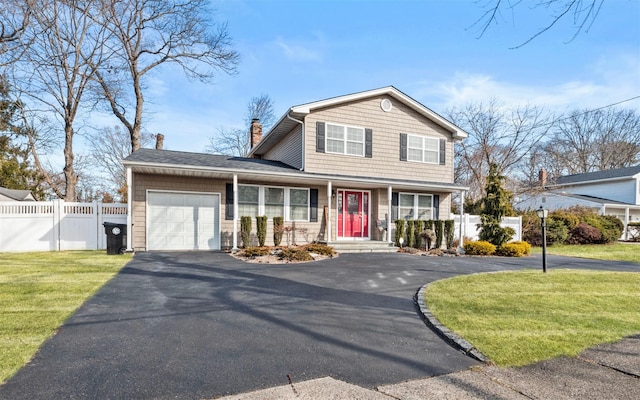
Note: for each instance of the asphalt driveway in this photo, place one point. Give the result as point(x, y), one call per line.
point(201, 325)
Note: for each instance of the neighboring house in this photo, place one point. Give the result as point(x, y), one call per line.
point(15, 195)
point(339, 169)
point(612, 192)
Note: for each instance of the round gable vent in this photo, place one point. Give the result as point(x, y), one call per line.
point(386, 105)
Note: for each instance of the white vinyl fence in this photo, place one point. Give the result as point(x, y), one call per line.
point(56, 225)
point(470, 226)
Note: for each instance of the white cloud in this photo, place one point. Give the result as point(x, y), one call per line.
point(299, 52)
point(606, 82)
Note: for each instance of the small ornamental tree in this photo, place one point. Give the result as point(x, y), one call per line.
point(496, 204)
point(278, 230)
point(411, 237)
point(245, 230)
point(261, 228)
point(449, 232)
point(439, 228)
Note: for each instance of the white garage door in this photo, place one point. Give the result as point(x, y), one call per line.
point(183, 221)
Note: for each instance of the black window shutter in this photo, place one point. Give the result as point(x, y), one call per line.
point(403, 147)
point(394, 206)
point(436, 206)
point(320, 137)
point(228, 202)
point(313, 203)
point(368, 142)
point(443, 151)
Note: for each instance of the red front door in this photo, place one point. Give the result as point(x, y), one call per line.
point(353, 214)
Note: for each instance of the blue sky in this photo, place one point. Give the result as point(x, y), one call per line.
point(303, 51)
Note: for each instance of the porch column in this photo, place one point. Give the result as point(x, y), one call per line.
point(626, 223)
point(460, 233)
point(389, 196)
point(328, 211)
point(129, 209)
point(235, 213)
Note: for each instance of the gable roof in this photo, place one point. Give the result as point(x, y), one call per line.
point(609, 174)
point(288, 121)
point(17, 195)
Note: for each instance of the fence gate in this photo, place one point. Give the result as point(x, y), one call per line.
point(56, 225)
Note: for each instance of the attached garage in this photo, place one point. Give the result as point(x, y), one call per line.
point(183, 221)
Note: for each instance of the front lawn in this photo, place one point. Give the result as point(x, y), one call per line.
point(518, 318)
point(39, 291)
point(615, 252)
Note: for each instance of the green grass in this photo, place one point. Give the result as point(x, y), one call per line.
point(39, 291)
point(614, 252)
point(517, 318)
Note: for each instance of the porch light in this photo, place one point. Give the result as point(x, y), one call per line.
point(543, 214)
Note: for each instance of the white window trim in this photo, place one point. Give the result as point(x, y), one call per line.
point(287, 207)
point(287, 203)
point(345, 141)
point(423, 149)
point(416, 202)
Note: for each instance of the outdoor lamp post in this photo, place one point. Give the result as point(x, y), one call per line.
point(543, 213)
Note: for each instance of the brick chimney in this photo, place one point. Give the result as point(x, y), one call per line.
point(159, 141)
point(542, 178)
point(255, 132)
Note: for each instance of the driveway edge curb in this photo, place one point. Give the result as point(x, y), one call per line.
point(453, 339)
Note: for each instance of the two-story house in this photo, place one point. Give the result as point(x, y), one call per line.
point(340, 169)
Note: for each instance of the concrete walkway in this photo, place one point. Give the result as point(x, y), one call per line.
point(610, 371)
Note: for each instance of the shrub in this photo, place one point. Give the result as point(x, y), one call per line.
point(568, 218)
point(428, 224)
point(449, 232)
point(411, 235)
point(417, 230)
point(611, 228)
point(584, 234)
point(429, 236)
point(514, 249)
point(439, 232)
point(320, 248)
point(557, 231)
point(399, 231)
point(245, 230)
point(491, 231)
point(254, 251)
point(278, 230)
point(479, 248)
point(261, 228)
point(296, 254)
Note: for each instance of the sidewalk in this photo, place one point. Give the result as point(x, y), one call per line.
point(610, 371)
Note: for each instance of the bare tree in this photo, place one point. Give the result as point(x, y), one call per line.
point(235, 142)
point(108, 148)
point(497, 135)
point(146, 34)
point(587, 141)
point(583, 12)
point(14, 19)
point(60, 49)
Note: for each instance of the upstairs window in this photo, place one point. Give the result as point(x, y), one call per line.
point(423, 149)
point(347, 140)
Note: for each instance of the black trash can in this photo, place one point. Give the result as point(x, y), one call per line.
point(116, 237)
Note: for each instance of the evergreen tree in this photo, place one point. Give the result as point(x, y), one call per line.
point(496, 204)
point(15, 170)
